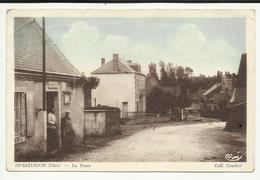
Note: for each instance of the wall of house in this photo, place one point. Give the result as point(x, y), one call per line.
point(76, 108)
point(140, 86)
point(152, 82)
point(101, 123)
point(237, 118)
point(227, 84)
point(37, 141)
point(114, 89)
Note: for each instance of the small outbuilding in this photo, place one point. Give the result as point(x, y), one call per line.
point(101, 121)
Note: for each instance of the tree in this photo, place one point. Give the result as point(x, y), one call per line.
point(183, 78)
point(171, 74)
point(195, 84)
point(164, 80)
point(88, 83)
point(153, 69)
point(179, 72)
point(183, 101)
point(154, 100)
point(188, 71)
point(219, 76)
point(228, 75)
point(157, 101)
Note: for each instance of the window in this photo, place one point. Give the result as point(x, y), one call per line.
point(20, 113)
point(24, 121)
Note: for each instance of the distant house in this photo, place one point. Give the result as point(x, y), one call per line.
point(238, 105)
point(62, 91)
point(216, 98)
point(121, 85)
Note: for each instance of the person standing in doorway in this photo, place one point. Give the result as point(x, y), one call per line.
point(67, 133)
point(52, 134)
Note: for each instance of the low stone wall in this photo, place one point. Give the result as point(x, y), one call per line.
point(101, 122)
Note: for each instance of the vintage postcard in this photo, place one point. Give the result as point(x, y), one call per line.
point(130, 90)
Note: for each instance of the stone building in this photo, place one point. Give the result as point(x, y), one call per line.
point(121, 85)
point(62, 91)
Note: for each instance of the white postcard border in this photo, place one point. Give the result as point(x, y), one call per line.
point(138, 166)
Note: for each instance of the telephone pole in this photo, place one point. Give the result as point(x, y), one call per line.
point(43, 66)
point(44, 84)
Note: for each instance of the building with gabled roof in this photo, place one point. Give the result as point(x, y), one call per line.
point(216, 98)
point(121, 85)
point(28, 50)
point(62, 90)
point(237, 116)
point(212, 89)
point(115, 67)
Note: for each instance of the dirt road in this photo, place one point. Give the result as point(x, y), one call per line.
point(189, 142)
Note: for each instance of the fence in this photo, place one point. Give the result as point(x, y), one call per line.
point(140, 114)
point(192, 113)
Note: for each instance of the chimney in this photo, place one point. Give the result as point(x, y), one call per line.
point(115, 62)
point(103, 61)
point(129, 61)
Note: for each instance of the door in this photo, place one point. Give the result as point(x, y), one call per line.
point(140, 107)
point(53, 131)
point(124, 109)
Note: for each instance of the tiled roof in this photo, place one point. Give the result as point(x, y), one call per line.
point(239, 94)
point(108, 68)
point(28, 50)
point(241, 75)
point(212, 89)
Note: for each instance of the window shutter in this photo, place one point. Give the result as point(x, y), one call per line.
point(23, 114)
point(30, 115)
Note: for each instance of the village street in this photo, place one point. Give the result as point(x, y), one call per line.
point(167, 142)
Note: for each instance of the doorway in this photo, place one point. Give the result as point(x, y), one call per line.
point(53, 131)
point(124, 109)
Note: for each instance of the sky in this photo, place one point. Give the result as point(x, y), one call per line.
point(205, 44)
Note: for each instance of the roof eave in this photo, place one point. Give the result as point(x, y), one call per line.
point(47, 72)
point(93, 73)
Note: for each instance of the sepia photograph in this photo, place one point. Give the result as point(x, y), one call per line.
point(140, 86)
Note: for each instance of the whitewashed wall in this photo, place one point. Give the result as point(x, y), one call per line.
point(114, 89)
point(140, 88)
